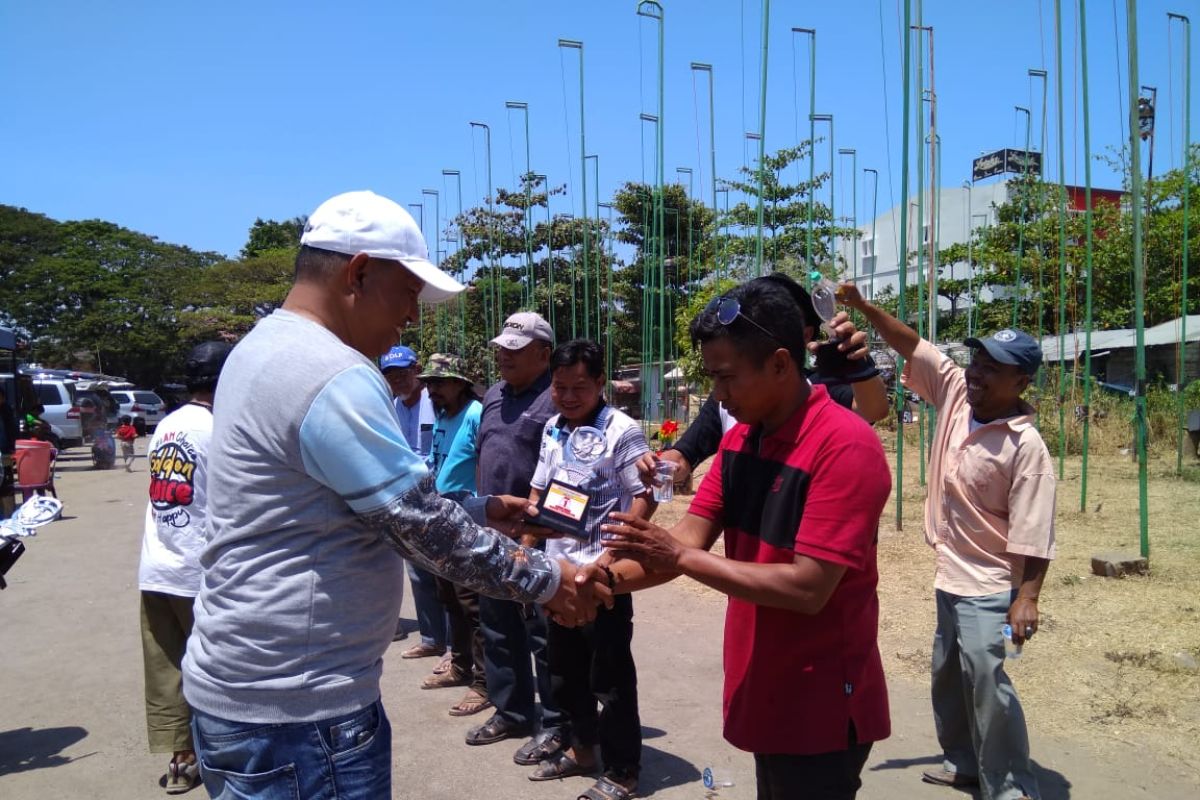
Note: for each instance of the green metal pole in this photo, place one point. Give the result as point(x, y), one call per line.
point(1139, 290)
point(608, 306)
point(1181, 376)
point(587, 292)
point(497, 297)
point(970, 186)
point(462, 302)
point(874, 223)
point(1062, 245)
point(1024, 211)
point(853, 153)
point(1087, 324)
point(762, 135)
point(924, 237)
point(654, 10)
point(902, 311)
point(528, 293)
point(439, 314)
point(712, 138)
point(812, 135)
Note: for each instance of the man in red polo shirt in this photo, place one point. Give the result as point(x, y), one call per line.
point(797, 488)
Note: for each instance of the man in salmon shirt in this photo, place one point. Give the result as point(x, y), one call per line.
point(989, 516)
point(797, 488)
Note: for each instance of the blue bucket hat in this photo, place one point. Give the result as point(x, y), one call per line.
point(399, 357)
point(1013, 347)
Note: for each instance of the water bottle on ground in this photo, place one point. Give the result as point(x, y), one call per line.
point(716, 780)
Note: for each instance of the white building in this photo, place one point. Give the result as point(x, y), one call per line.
point(874, 261)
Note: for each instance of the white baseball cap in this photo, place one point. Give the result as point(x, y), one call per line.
point(522, 329)
point(364, 222)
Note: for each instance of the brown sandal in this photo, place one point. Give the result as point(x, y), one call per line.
point(472, 702)
point(449, 678)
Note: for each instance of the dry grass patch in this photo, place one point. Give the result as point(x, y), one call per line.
point(1110, 664)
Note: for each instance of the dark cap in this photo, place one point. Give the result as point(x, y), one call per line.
point(1013, 347)
point(799, 294)
point(204, 364)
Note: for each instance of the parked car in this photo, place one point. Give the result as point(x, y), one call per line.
point(140, 404)
point(57, 399)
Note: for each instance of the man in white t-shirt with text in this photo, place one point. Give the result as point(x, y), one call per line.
point(169, 572)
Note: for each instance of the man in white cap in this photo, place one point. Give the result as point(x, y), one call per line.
point(315, 491)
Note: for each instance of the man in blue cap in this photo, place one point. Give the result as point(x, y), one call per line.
point(401, 369)
point(989, 515)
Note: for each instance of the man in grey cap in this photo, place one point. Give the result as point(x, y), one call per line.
point(318, 492)
point(989, 515)
point(510, 433)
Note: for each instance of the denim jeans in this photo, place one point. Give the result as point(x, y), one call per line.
point(431, 612)
point(348, 757)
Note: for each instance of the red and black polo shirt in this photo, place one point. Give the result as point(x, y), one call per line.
point(815, 487)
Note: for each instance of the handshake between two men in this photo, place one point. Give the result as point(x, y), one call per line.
point(583, 589)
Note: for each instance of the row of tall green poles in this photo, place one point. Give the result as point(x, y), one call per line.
point(762, 136)
point(1062, 243)
point(712, 138)
point(527, 298)
point(1181, 374)
point(1087, 319)
point(906, 72)
point(1139, 288)
point(812, 138)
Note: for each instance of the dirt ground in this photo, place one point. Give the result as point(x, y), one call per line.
point(1109, 716)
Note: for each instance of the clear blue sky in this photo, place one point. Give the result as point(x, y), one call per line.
point(187, 121)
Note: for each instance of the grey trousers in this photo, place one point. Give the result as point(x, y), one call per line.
point(980, 725)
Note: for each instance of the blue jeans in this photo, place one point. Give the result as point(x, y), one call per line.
point(348, 757)
point(980, 724)
point(431, 612)
point(511, 634)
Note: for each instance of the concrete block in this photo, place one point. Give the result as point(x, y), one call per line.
point(1118, 565)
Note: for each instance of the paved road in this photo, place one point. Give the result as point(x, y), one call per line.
point(71, 723)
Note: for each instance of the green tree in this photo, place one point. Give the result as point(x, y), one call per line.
point(268, 234)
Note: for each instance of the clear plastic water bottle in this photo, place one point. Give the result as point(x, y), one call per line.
point(1011, 649)
point(824, 299)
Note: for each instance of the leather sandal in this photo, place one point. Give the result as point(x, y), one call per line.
point(496, 729)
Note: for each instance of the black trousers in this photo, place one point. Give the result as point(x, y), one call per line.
point(594, 664)
point(466, 639)
point(824, 776)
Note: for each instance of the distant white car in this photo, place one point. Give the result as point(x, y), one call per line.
point(140, 404)
point(57, 398)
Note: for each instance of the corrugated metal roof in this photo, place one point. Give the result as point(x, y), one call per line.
point(1166, 333)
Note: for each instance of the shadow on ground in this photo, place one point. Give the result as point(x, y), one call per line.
point(1053, 785)
point(24, 749)
point(662, 770)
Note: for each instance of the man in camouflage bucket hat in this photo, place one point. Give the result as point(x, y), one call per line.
point(452, 460)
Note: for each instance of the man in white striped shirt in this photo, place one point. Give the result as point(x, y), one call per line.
point(593, 661)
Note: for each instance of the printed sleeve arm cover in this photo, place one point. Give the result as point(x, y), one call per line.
point(351, 442)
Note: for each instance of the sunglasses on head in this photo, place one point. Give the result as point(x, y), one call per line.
point(727, 309)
